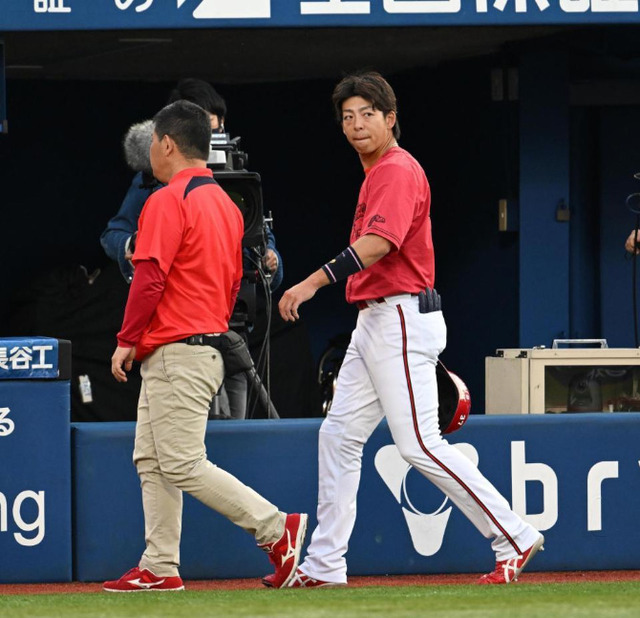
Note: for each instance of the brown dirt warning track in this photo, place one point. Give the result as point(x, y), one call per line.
point(354, 582)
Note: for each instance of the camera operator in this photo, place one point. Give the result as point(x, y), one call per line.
point(118, 239)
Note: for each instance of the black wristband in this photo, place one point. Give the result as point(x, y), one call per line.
point(343, 265)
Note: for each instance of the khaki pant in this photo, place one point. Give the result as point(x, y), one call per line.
point(178, 383)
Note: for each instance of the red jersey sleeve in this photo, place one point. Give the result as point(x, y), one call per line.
point(160, 230)
point(391, 203)
point(144, 295)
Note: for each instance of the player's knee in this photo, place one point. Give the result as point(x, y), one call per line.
point(345, 431)
point(405, 453)
point(177, 472)
point(338, 438)
point(413, 451)
point(146, 465)
point(340, 448)
point(331, 427)
point(410, 453)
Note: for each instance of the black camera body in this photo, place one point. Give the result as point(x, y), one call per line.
point(228, 164)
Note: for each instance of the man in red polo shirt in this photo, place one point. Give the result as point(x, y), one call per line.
point(390, 366)
point(188, 266)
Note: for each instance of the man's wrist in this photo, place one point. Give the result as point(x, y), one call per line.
point(343, 265)
point(318, 279)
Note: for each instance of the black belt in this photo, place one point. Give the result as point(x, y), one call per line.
point(231, 345)
point(428, 301)
point(211, 340)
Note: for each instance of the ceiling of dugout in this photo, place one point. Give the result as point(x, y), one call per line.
point(249, 55)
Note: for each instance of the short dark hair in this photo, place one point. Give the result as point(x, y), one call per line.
point(372, 87)
point(201, 93)
point(188, 125)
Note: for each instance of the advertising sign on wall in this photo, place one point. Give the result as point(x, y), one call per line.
point(35, 461)
point(575, 477)
point(169, 14)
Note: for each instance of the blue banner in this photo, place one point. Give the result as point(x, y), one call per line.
point(23, 359)
point(170, 14)
point(35, 481)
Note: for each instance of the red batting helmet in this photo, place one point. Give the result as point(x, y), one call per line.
point(454, 398)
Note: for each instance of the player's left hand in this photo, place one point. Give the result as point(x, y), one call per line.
point(293, 298)
point(121, 361)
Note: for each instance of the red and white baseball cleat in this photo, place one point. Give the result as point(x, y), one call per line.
point(136, 580)
point(507, 571)
point(284, 554)
point(301, 580)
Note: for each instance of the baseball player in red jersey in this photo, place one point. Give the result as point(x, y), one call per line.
point(188, 266)
point(390, 366)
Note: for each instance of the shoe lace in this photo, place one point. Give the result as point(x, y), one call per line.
point(510, 568)
point(300, 579)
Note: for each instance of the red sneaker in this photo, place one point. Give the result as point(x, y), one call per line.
point(285, 553)
point(136, 580)
point(507, 571)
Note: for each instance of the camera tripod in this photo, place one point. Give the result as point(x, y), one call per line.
point(237, 359)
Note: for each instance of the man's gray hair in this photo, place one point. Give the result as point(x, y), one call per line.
point(136, 144)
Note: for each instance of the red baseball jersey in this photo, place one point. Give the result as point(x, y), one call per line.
point(394, 202)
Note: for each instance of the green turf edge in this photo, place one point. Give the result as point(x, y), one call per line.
point(564, 600)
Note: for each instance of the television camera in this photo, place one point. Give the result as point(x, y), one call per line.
point(228, 163)
point(244, 187)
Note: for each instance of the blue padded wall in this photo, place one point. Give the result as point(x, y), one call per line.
point(574, 476)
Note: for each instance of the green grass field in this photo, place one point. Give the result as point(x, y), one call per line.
point(592, 600)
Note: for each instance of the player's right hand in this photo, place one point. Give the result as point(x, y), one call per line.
point(121, 361)
point(293, 298)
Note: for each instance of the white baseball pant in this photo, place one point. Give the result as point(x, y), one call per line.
point(390, 370)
